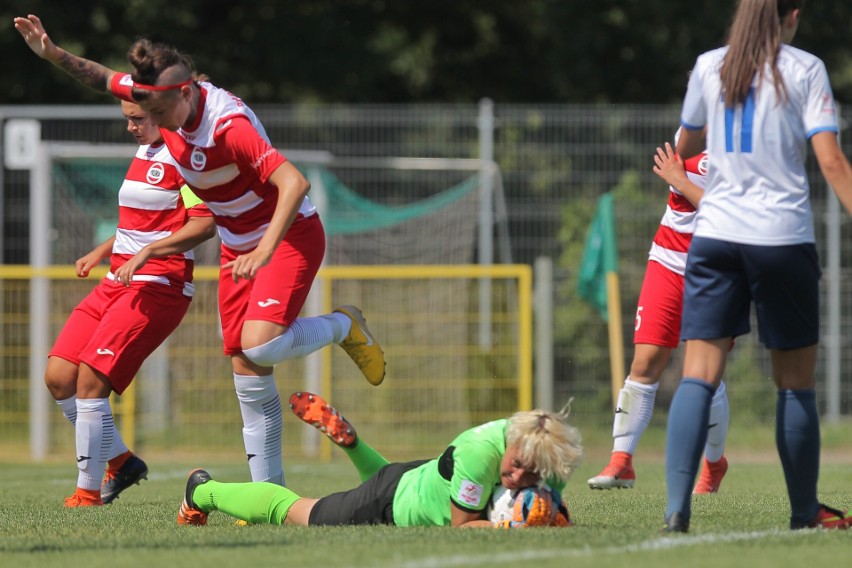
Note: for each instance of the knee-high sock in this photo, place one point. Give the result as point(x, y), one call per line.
point(365, 459)
point(798, 442)
point(304, 336)
point(262, 426)
point(95, 430)
point(632, 414)
point(717, 427)
point(69, 408)
point(253, 502)
point(685, 439)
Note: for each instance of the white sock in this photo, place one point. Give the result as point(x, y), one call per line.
point(262, 426)
point(118, 446)
point(95, 429)
point(632, 415)
point(717, 432)
point(69, 408)
point(304, 336)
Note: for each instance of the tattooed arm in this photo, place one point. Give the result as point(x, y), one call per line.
point(89, 73)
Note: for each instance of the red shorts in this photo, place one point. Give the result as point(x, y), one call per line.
point(660, 307)
point(115, 328)
point(278, 291)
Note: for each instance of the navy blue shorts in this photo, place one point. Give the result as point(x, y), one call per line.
point(724, 278)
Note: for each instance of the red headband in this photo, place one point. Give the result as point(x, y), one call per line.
point(160, 87)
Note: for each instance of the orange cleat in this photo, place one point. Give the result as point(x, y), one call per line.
point(313, 410)
point(618, 474)
point(189, 516)
point(189, 513)
point(711, 476)
point(84, 498)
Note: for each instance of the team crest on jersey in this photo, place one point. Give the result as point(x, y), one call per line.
point(470, 493)
point(702, 165)
point(155, 174)
point(198, 159)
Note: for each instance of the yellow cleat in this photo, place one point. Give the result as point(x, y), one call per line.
point(362, 347)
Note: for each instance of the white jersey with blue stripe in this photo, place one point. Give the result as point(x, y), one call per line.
point(757, 187)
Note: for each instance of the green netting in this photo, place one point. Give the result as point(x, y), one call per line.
point(349, 213)
point(85, 203)
point(93, 184)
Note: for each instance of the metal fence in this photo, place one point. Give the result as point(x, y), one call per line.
point(554, 161)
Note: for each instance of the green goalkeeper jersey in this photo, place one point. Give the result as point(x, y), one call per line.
point(465, 474)
point(473, 468)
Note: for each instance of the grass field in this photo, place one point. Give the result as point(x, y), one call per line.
point(743, 525)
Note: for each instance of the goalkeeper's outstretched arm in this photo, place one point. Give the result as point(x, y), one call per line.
point(89, 73)
point(462, 518)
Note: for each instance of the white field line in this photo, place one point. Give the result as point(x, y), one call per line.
point(662, 543)
point(154, 474)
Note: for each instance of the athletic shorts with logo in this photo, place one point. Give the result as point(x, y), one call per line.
point(115, 328)
point(279, 290)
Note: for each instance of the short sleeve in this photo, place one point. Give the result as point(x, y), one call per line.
point(819, 112)
point(693, 116)
point(476, 470)
point(248, 147)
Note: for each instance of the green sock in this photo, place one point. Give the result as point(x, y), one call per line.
point(255, 502)
point(365, 459)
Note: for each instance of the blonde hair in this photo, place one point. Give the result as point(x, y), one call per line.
point(546, 439)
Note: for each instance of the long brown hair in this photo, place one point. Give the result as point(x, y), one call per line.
point(753, 41)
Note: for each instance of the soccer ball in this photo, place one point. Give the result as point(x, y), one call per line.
point(501, 506)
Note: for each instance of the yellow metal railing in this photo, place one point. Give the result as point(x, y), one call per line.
point(440, 379)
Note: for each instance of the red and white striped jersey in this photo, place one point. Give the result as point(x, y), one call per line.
point(151, 207)
point(671, 243)
point(226, 158)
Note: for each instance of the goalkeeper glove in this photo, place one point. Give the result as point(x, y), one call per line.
point(533, 508)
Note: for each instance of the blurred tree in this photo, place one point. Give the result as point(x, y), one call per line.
point(382, 51)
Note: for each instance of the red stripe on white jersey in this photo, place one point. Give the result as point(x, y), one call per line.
point(226, 157)
point(151, 208)
point(671, 243)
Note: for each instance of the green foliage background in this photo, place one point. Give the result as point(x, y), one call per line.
point(437, 51)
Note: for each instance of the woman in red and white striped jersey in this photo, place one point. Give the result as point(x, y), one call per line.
point(130, 312)
point(657, 332)
point(272, 239)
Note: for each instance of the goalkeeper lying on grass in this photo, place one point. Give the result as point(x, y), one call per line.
point(451, 490)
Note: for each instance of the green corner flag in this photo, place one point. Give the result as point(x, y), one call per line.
point(600, 257)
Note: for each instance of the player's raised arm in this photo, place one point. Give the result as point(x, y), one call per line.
point(89, 73)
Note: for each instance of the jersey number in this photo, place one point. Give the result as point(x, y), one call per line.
point(746, 128)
